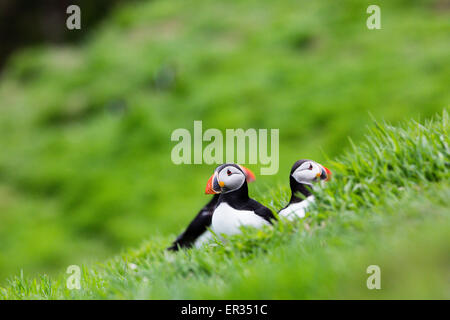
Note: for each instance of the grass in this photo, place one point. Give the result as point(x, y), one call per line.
point(387, 205)
point(85, 168)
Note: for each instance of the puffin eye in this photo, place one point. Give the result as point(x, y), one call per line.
point(310, 167)
point(229, 172)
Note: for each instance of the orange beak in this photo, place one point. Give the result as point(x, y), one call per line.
point(209, 186)
point(328, 173)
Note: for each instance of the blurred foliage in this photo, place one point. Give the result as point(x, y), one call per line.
point(85, 166)
point(25, 23)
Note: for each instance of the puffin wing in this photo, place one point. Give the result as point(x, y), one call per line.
point(260, 210)
point(196, 228)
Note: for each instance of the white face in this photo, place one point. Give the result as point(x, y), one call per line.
point(230, 178)
point(308, 172)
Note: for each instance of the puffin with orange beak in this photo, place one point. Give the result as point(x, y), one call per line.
point(234, 208)
point(304, 174)
point(197, 233)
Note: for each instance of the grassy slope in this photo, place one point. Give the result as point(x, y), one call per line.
point(387, 205)
point(85, 131)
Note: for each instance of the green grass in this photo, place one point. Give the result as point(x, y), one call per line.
point(85, 167)
point(387, 205)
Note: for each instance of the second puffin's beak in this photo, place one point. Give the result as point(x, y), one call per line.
point(325, 175)
point(213, 185)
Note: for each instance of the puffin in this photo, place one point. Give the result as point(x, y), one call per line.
point(234, 208)
point(197, 233)
point(303, 175)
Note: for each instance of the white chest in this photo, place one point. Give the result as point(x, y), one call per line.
point(296, 210)
point(205, 237)
point(227, 220)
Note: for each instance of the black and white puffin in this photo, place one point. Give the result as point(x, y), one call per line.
point(197, 233)
point(302, 176)
point(234, 208)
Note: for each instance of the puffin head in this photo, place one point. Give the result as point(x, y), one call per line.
point(307, 172)
point(228, 177)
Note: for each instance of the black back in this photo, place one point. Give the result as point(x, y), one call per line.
point(197, 226)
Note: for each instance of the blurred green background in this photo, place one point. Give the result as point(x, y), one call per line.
point(85, 167)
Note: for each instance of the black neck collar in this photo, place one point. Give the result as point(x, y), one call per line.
point(297, 188)
point(235, 198)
